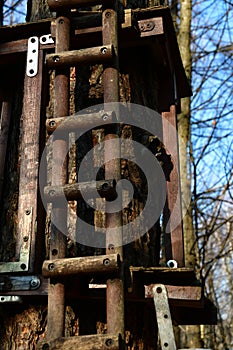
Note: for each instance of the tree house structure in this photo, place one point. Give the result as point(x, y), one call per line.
point(139, 44)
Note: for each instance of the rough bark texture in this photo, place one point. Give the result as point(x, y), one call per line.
point(192, 333)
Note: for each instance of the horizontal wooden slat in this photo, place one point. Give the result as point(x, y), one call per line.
point(97, 54)
point(165, 275)
point(74, 266)
point(69, 4)
point(80, 121)
point(105, 188)
point(87, 342)
point(178, 292)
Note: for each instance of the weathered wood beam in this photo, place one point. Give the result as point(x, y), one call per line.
point(5, 125)
point(84, 265)
point(173, 211)
point(105, 188)
point(188, 293)
point(80, 121)
point(86, 342)
point(97, 54)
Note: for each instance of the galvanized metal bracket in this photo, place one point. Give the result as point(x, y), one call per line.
point(163, 316)
point(32, 56)
point(10, 299)
point(46, 39)
point(23, 264)
point(151, 26)
point(16, 283)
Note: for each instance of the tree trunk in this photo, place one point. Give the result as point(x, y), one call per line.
point(192, 333)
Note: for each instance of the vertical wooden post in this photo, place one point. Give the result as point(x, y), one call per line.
point(115, 287)
point(170, 140)
point(56, 293)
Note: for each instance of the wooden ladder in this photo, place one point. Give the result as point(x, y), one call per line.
point(59, 266)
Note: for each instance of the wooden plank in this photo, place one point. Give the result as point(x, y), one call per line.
point(13, 47)
point(92, 189)
point(29, 164)
point(4, 130)
point(86, 342)
point(173, 211)
point(193, 293)
point(165, 275)
point(85, 265)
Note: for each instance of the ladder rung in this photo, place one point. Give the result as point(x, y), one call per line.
point(64, 4)
point(80, 121)
point(98, 54)
point(85, 342)
point(84, 265)
point(105, 188)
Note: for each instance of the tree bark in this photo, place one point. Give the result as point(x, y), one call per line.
point(192, 333)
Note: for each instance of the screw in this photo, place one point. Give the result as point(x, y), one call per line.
point(108, 14)
point(61, 21)
point(111, 247)
point(51, 266)
point(52, 123)
point(25, 238)
point(105, 117)
point(35, 282)
point(27, 211)
point(105, 186)
point(159, 290)
point(106, 262)
point(103, 50)
point(23, 266)
point(56, 58)
point(52, 193)
point(109, 342)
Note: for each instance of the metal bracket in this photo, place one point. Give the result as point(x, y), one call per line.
point(151, 26)
point(23, 264)
point(10, 299)
point(46, 39)
point(32, 56)
point(163, 316)
point(9, 283)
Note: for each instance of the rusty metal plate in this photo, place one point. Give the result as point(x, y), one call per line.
point(151, 26)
